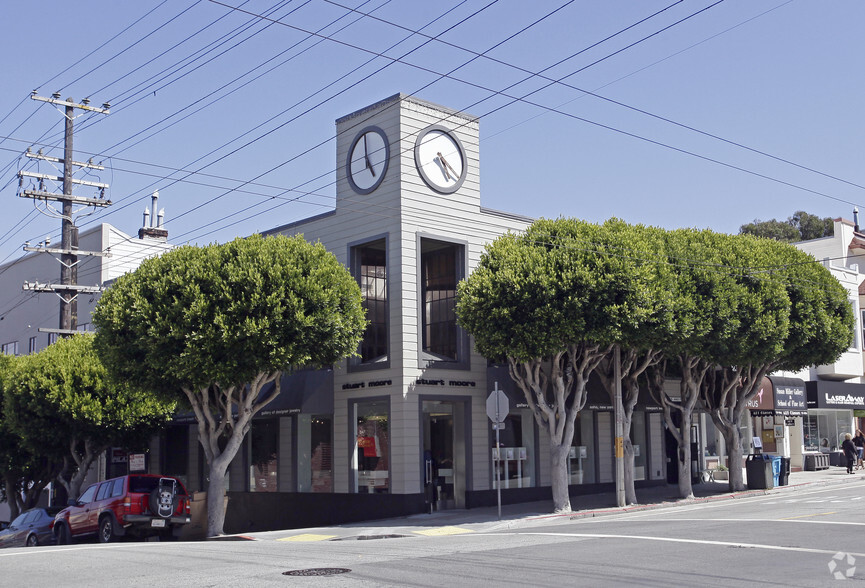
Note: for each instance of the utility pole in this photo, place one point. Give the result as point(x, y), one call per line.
point(68, 288)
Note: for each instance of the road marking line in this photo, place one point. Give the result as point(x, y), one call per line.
point(816, 514)
point(695, 541)
point(307, 537)
point(444, 531)
point(713, 520)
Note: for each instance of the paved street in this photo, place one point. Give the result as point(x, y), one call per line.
point(789, 536)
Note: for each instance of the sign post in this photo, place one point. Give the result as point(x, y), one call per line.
point(497, 409)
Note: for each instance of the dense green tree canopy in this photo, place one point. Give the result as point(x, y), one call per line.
point(802, 226)
point(560, 282)
point(226, 313)
point(62, 405)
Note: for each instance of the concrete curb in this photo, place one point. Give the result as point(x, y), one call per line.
point(689, 501)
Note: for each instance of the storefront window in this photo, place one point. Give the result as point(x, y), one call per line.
point(581, 468)
point(371, 459)
point(638, 440)
point(315, 453)
point(516, 450)
point(825, 429)
point(264, 448)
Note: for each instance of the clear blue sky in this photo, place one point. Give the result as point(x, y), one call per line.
point(781, 77)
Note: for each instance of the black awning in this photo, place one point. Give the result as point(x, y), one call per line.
point(790, 396)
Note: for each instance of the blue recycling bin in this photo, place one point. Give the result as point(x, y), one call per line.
point(776, 469)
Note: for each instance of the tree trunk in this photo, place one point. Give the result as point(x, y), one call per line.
point(559, 475)
point(686, 490)
point(74, 483)
point(630, 491)
point(734, 459)
point(12, 498)
point(216, 497)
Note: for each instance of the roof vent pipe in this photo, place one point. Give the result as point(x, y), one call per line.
point(160, 218)
point(856, 218)
point(155, 199)
point(146, 217)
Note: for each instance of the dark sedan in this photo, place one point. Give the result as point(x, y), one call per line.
point(30, 528)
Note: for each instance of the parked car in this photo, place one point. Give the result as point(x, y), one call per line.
point(31, 528)
point(135, 505)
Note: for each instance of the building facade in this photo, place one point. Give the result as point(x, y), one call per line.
point(403, 428)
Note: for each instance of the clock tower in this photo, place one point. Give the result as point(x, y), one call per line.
point(404, 155)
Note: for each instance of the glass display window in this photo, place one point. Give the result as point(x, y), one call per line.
point(371, 456)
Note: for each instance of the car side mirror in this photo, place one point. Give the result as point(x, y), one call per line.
point(71, 502)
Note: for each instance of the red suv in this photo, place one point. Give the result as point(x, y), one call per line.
point(137, 505)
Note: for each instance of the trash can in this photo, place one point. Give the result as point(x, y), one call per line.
point(758, 467)
point(784, 477)
point(776, 470)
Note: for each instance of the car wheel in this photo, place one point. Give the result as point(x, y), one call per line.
point(32, 541)
point(106, 530)
point(62, 533)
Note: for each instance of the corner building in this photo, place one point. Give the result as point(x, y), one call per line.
point(402, 428)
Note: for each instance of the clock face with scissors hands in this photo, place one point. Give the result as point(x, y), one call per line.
point(368, 158)
point(440, 159)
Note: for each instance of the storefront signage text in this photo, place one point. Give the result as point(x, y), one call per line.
point(463, 383)
point(790, 400)
point(372, 384)
point(847, 400)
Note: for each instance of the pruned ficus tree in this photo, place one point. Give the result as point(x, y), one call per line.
point(214, 325)
point(64, 407)
point(703, 309)
point(642, 337)
point(791, 313)
point(552, 302)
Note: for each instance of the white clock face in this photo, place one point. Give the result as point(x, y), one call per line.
point(440, 159)
point(367, 160)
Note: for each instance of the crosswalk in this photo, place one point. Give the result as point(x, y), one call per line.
point(433, 532)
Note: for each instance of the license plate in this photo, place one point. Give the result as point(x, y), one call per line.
point(157, 523)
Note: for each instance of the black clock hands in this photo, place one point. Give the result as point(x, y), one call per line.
point(446, 166)
point(366, 158)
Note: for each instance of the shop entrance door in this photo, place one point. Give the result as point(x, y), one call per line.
point(443, 452)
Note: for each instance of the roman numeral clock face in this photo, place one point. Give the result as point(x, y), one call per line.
point(440, 159)
point(367, 162)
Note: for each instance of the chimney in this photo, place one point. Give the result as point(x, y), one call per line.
point(153, 222)
point(856, 218)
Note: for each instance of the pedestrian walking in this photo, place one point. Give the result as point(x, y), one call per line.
point(849, 452)
point(859, 442)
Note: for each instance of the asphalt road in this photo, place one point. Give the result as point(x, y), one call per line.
point(803, 538)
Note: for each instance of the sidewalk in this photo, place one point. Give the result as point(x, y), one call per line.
point(452, 522)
